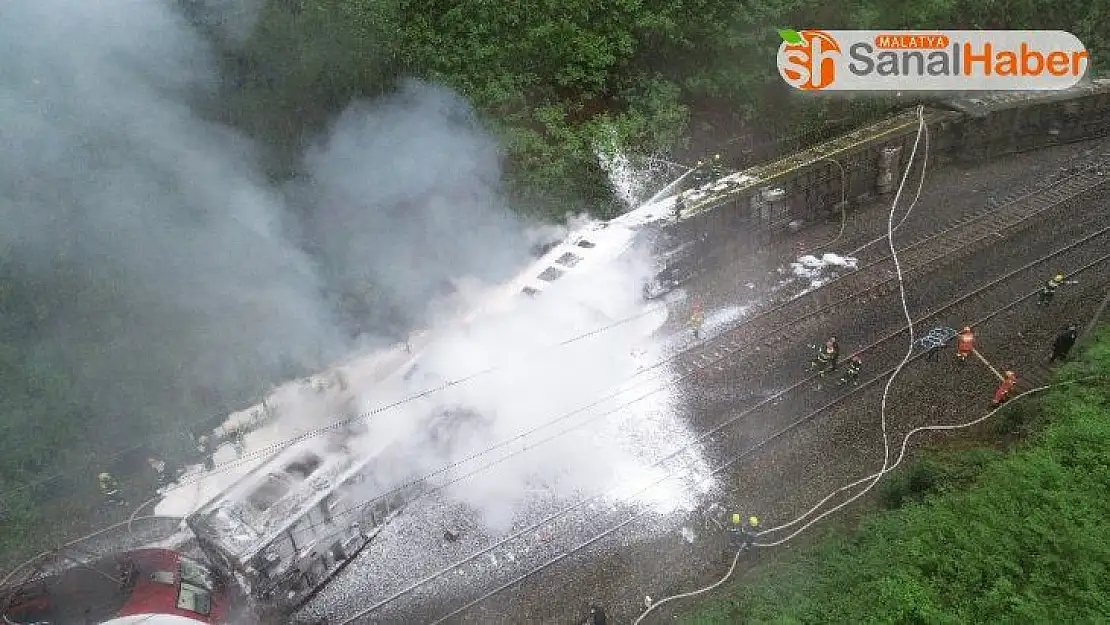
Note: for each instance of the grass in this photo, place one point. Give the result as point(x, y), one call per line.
point(968, 536)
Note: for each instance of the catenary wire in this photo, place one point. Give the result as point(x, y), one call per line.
point(897, 370)
point(702, 437)
point(404, 400)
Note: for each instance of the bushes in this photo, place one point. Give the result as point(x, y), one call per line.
point(987, 538)
point(938, 473)
point(553, 79)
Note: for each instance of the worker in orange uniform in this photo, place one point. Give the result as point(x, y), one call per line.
point(965, 342)
point(697, 318)
point(1003, 389)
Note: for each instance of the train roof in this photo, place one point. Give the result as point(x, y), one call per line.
point(585, 247)
point(267, 501)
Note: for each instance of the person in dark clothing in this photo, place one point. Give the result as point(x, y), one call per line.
point(597, 616)
point(109, 488)
point(717, 169)
point(207, 448)
point(1048, 291)
point(679, 205)
point(851, 375)
point(1063, 343)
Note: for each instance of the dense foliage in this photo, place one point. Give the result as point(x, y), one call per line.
point(556, 80)
point(977, 537)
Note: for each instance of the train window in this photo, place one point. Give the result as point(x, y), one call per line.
point(398, 499)
point(569, 259)
point(268, 493)
point(194, 573)
point(194, 599)
point(550, 274)
point(304, 466)
point(326, 506)
point(382, 510)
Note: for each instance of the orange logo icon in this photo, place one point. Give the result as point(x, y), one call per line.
point(807, 59)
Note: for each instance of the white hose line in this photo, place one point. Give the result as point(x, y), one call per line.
point(694, 593)
point(921, 129)
point(886, 391)
point(920, 181)
point(902, 456)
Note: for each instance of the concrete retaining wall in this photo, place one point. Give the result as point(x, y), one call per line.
point(815, 182)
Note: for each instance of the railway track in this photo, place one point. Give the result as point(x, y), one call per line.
point(567, 516)
point(713, 431)
point(754, 448)
point(1063, 184)
point(917, 259)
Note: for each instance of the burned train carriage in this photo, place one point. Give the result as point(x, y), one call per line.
point(287, 526)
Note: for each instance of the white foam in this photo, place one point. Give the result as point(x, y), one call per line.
point(819, 271)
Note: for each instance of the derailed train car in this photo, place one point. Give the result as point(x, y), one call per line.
point(284, 529)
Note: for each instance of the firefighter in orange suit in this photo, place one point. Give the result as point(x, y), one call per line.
point(697, 318)
point(1003, 389)
point(965, 342)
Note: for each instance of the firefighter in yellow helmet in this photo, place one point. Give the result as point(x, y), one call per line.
point(697, 318)
point(207, 448)
point(109, 488)
point(700, 172)
point(718, 168)
point(742, 533)
point(1049, 289)
point(159, 468)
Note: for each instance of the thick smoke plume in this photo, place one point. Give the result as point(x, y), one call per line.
point(177, 278)
point(161, 246)
point(406, 203)
point(173, 277)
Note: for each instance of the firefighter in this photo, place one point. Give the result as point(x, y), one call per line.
point(679, 205)
point(851, 374)
point(736, 530)
point(718, 167)
point(159, 468)
point(697, 318)
point(109, 487)
point(699, 172)
point(1062, 345)
point(1049, 289)
point(1003, 390)
point(826, 358)
point(206, 448)
point(238, 440)
point(742, 534)
point(965, 342)
point(820, 360)
point(832, 347)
